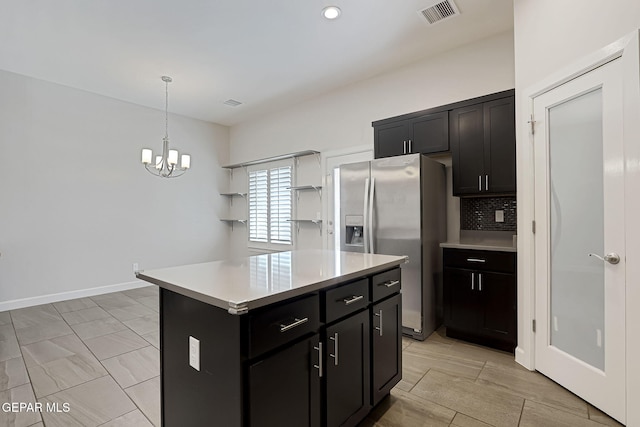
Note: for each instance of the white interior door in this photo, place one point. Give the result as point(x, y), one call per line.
point(332, 161)
point(579, 214)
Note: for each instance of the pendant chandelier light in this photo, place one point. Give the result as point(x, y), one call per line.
point(166, 165)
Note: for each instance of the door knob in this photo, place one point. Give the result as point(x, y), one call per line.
point(612, 258)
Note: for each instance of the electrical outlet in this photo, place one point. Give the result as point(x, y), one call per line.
point(194, 353)
point(135, 267)
point(499, 216)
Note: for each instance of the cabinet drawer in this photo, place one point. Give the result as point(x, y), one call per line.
point(279, 325)
point(346, 299)
point(480, 260)
point(385, 284)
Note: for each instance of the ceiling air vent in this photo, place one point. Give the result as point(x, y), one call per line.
point(440, 11)
point(232, 102)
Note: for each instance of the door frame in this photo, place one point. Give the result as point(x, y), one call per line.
point(366, 151)
point(628, 50)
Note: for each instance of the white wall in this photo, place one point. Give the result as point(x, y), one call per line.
point(550, 35)
point(342, 118)
point(77, 207)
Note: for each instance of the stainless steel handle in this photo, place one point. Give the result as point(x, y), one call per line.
point(486, 182)
point(480, 281)
point(334, 338)
point(476, 260)
point(365, 230)
point(404, 148)
point(371, 200)
point(473, 282)
point(479, 182)
point(319, 365)
point(611, 258)
point(390, 283)
point(296, 322)
point(380, 316)
point(348, 301)
point(410, 150)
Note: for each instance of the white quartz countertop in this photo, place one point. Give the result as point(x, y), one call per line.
point(483, 245)
point(242, 284)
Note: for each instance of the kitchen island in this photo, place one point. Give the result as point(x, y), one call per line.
point(300, 338)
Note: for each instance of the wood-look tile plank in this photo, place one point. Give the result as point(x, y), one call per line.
point(134, 367)
point(74, 305)
point(9, 348)
point(98, 328)
point(131, 419)
point(110, 345)
point(598, 416)
point(462, 420)
point(538, 415)
point(452, 365)
point(60, 363)
point(146, 395)
point(113, 300)
point(91, 404)
point(531, 386)
point(402, 409)
point(34, 316)
point(463, 395)
point(153, 338)
point(85, 315)
point(132, 312)
point(5, 318)
point(151, 302)
point(44, 331)
point(146, 291)
point(13, 373)
point(144, 325)
point(22, 393)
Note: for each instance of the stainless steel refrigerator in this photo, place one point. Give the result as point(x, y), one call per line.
point(397, 206)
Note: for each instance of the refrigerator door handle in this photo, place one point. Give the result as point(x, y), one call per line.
point(365, 231)
point(373, 188)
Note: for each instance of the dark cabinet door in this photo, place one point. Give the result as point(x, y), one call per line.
point(461, 299)
point(284, 389)
point(386, 337)
point(500, 146)
point(391, 139)
point(466, 131)
point(348, 371)
point(430, 133)
point(497, 316)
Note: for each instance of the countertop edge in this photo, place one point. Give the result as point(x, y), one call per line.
point(243, 307)
point(479, 246)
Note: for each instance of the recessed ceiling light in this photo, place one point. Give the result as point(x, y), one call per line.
point(331, 12)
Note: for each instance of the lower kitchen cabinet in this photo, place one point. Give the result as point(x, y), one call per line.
point(386, 337)
point(284, 389)
point(480, 302)
point(347, 370)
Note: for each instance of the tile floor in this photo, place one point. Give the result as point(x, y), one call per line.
point(100, 356)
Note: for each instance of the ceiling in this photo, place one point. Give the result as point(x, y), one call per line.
point(268, 55)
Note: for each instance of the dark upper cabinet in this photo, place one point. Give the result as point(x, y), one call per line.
point(483, 148)
point(347, 370)
point(425, 134)
point(386, 338)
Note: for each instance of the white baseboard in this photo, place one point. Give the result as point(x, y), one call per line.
point(63, 296)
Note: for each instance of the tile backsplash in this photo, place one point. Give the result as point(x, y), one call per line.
point(480, 213)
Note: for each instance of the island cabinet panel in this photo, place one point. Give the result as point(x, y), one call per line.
point(213, 394)
point(347, 372)
point(386, 337)
point(312, 360)
point(284, 389)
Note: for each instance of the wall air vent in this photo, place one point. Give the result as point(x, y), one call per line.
point(439, 11)
point(232, 102)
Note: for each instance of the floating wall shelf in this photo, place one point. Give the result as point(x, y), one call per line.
point(317, 222)
point(273, 159)
point(233, 221)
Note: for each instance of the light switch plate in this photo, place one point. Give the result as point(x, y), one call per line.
point(194, 353)
point(499, 216)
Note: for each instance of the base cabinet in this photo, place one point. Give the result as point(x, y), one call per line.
point(386, 337)
point(480, 302)
point(284, 389)
point(347, 371)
